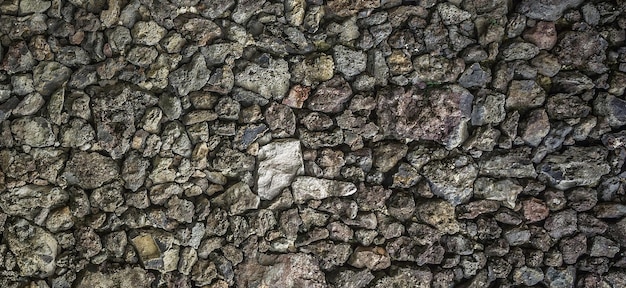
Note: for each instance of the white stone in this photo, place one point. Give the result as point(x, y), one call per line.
point(307, 188)
point(279, 162)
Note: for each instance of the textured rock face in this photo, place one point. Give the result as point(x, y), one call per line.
point(311, 143)
point(90, 170)
point(35, 248)
point(440, 114)
point(279, 163)
point(576, 166)
point(307, 188)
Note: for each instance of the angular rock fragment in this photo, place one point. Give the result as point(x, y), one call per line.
point(439, 114)
point(90, 170)
point(271, 81)
point(439, 214)
point(31, 200)
point(575, 166)
point(190, 77)
point(279, 163)
point(34, 248)
point(505, 191)
point(33, 131)
point(455, 187)
point(307, 188)
point(238, 199)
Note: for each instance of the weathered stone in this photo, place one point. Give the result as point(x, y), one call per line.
point(437, 70)
point(307, 188)
point(33, 131)
point(314, 69)
point(148, 33)
point(279, 162)
point(575, 166)
point(537, 127)
point(443, 118)
point(584, 50)
point(543, 35)
point(515, 164)
point(505, 191)
point(372, 258)
point(439, 214)
point(35, 249)
point(190, 77)
point(32, 200)
point(349, 62)
point(116, 109)
point(330, 96)
point(271, 81)
point(546, 10)
point(50, 76)
point(238, 199)
point(281, 120)
point(126, 277)
point(561, 224)
point(287, 270)
point(90, 170)
point(525, 94)
point(456, 187)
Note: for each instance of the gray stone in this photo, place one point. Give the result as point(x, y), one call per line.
point(279, 162)
point(108, 197)
point(29, 105)
point(190, 77)
point(515, 163)
point(475, 77)
point(34, 248)
point(349, 62)
point(447, 70)
point(21, 84)
point(561, 224)
point(307, 188)
point(582, 50)
point(372, 258)
point(527, 276)
point(238, 199)
point(33, 131)
point(444, 120)
point(124, 277)
point(603, 247)
point(77, 134)
point(575, 166)
point(90, 170)
point(351, 279)
point(525, 94)
point(31, 201)
point(271, 81)
point(536, 128)
point(550, 10)
point(49, 76)
point(456, 187)
point(330, 96)
point(281, 120)
point(451, 14)
point(488, 109)
point(505, 191)
point(34, 6)
point(287, 270)
point(148, 33)
point(439, 214)
point(560, 278)
point(315, 69)
point(142, 56)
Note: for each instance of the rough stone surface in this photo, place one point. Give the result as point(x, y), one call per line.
point(311, 143)
point(90, 170)
point(279, 163)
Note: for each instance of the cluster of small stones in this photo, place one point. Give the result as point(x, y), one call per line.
point(310, 143)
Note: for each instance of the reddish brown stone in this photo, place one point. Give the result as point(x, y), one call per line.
point(535, 210)
point(543, 35)
point(297, 95)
